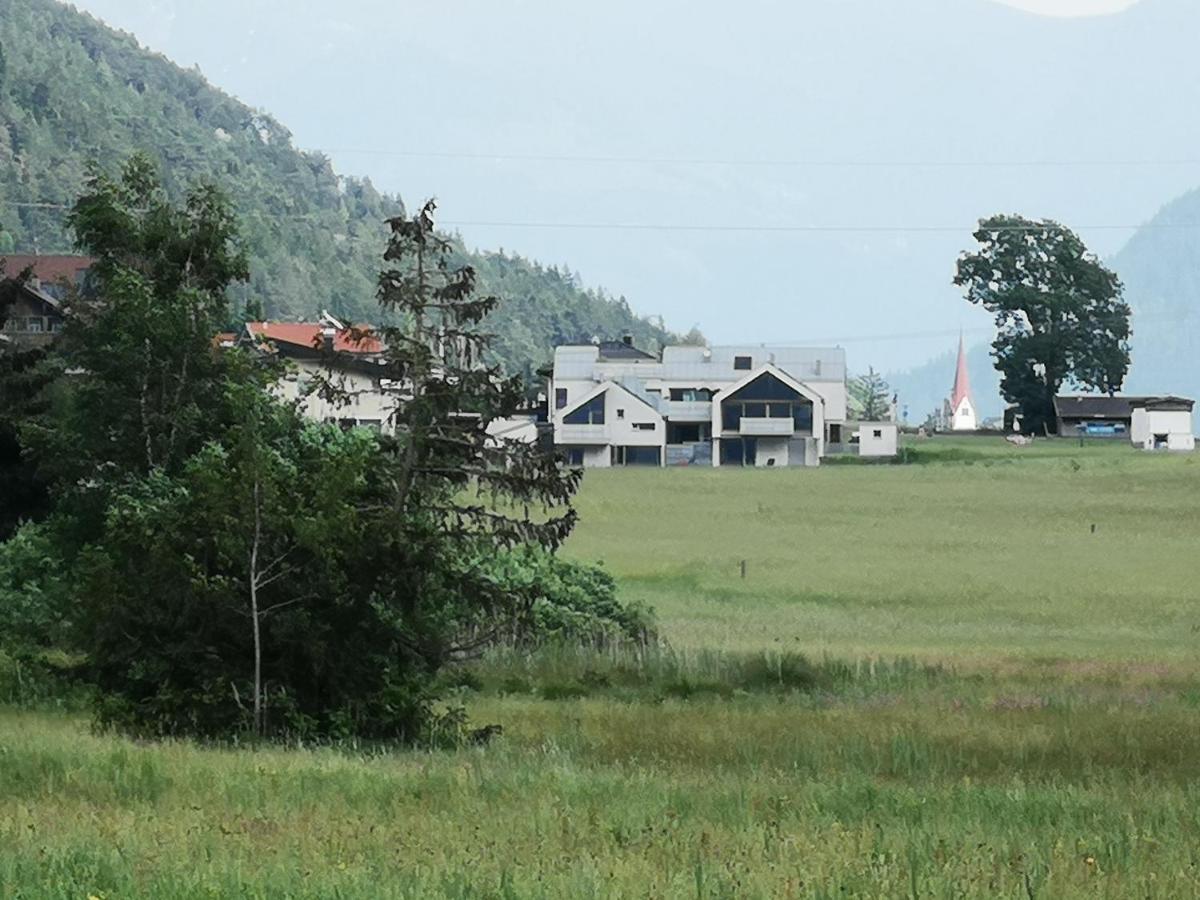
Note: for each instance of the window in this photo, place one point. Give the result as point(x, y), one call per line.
point(690, 395)
point(591, 413)
point(560, 398)
point(620, 413)
point(683, 433)
point(643, 426)
point(743, 363)
point(373, 424)
point(33, 324)
point(878, 432)
point(575, 456)
point(636, 456)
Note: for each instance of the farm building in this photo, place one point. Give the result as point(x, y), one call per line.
point(1148, 422)
point(1163, 423)
point(616, 405)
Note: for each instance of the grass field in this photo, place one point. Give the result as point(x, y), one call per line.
point(935, 680)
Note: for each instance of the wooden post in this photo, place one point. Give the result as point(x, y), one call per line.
point(743, 568)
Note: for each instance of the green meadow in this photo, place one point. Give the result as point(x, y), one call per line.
point(973, 675)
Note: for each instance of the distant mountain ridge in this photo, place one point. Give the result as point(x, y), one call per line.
point(73, 90)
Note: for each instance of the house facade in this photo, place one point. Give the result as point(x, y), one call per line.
point(612, 404)
point(34, 316)
point(337, 354)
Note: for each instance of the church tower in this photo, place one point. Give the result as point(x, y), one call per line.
point(962, 406)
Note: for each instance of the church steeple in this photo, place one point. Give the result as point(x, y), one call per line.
point(962, 406)
point(962, 380)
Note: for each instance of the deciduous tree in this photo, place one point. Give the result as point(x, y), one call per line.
point(1060, 314)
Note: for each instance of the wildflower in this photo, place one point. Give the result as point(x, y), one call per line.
point(1090, 860)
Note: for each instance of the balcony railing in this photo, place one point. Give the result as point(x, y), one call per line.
point(689, 410)
point(767, 427)
point(582, 434)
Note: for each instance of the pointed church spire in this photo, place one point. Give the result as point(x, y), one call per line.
point(962, 380)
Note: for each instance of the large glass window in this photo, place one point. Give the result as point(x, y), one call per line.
point(590, 413)
point(636, 456)
point(560, 398)
point(742, 363)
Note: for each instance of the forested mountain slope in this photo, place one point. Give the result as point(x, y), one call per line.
point(73, 91)
point(1161, 269)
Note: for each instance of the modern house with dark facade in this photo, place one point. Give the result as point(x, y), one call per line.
point(613, 404)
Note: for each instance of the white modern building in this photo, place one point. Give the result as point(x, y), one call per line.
point(612, 404)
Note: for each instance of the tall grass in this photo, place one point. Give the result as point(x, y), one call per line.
point(934, 681)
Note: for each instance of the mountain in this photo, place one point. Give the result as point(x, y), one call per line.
point(811, 170)
point(1160, 267)
point(74, 91)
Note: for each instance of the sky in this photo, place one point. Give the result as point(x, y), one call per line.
point(1071, 7)
point(775, 172)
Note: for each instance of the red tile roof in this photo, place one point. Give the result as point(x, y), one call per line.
point(49, 269)
point(308, 334)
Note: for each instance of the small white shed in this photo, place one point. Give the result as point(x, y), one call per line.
point(878, 439)
point(1163, 423)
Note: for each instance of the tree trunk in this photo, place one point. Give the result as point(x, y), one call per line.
point(254, 614)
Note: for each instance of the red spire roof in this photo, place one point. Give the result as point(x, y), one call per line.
point(962, 381)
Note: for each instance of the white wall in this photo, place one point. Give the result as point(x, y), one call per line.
point(621, 431)
point(367, 403)
point(1175, 424)
point(964, 418)
point(887, 443)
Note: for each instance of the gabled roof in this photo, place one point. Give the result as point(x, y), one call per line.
point(622, 350)
point(310, 336)
point(50, 269)
point(1099, 406)
point(1094, 407)
point(599, 389)
point(769, 369)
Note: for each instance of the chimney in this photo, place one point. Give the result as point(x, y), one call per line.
point(327, 335)
point(627, 340)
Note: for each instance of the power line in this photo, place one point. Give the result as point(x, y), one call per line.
point(768, 163)
point(1033, 227)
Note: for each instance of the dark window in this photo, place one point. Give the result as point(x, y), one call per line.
point(636, 456)
point(802, 414)
point(590, 413)
point(560, 398)
point(878, 432)
point(742, 362)
point(835, 434)
point(644, 426)
point(683, 433)
point(755, 410)
point(620, 413)
point(574, 456)
point(738, 451)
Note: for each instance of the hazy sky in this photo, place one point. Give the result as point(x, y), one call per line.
point(1071, 7)
point(771, 172)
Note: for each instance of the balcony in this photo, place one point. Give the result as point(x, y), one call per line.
point(689, 410)
point(767, 427)
point(582, 434)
